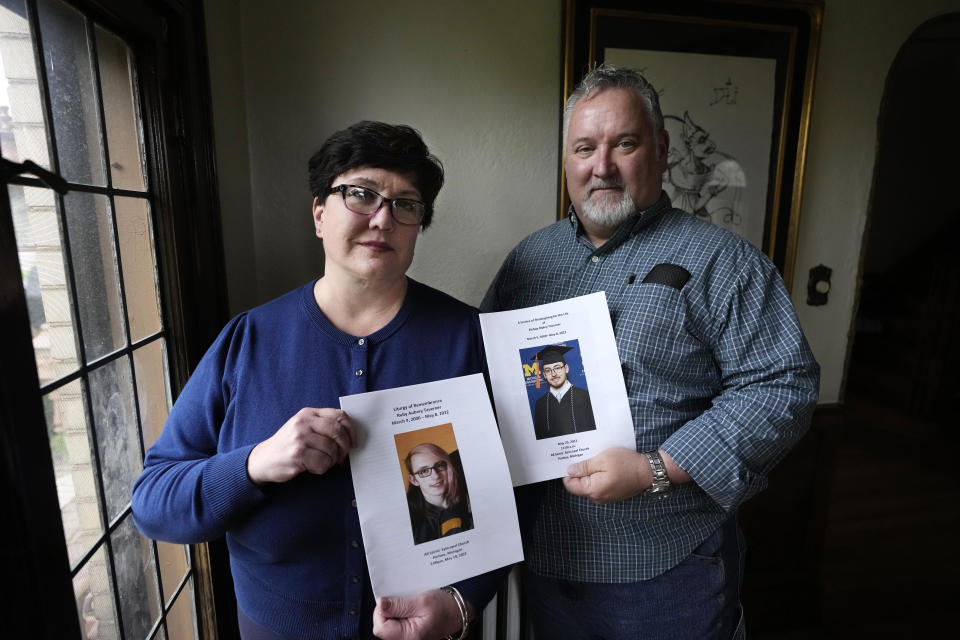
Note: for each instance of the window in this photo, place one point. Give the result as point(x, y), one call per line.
point(111, 326)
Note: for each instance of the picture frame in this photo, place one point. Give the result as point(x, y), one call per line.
point(735, 79)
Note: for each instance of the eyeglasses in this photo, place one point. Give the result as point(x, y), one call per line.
point(426, 472)
point(366, 202)
point(554, 369)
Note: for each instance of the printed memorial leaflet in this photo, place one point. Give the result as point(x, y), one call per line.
point(433, 489)
point(557, 385)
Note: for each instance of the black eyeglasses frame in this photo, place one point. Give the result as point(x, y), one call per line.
point(342, 190)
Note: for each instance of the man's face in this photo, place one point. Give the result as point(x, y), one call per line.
point(614, 160)
point(556, 373)
point(435, 486)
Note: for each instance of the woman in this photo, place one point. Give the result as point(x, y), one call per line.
point(437, 497)
point(255, 447)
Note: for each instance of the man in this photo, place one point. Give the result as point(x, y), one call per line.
point(437, 497)
point(564, 408)
point(720, 379)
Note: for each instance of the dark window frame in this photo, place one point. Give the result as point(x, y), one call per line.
point(168, 40)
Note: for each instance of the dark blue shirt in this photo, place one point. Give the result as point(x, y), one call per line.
point(296, 552)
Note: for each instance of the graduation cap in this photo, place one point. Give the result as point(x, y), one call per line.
point(551, 353)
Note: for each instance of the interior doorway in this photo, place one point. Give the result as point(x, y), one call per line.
point(894, 495)
point(905, 342)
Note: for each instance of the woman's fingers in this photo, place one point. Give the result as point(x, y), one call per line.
point(312, 440)
point(335, 425)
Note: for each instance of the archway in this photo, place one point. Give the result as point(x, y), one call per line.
point(895, 490)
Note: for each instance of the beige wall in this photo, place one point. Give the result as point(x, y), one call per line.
point(481, 80)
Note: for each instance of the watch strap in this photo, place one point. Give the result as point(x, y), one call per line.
point(660, 484)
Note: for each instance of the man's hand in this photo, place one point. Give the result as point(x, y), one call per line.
point(313, 440)
point(612, 475)
point(427, 616)
point(617, 474)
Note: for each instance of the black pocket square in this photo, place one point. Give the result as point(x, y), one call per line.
point(672, 275)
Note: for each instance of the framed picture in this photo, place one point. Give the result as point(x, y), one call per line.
point(735, 79)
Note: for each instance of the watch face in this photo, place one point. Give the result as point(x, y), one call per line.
point(659, 492)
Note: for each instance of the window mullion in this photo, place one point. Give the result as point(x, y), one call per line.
point(33, 16)
point(29, 181)
point(110, 527)
point(112, 192)
point(84, 369)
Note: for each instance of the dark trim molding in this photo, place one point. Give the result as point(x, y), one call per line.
point(168, 41)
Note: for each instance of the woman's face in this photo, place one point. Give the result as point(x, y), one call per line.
point(374, 247)
point(438, 487)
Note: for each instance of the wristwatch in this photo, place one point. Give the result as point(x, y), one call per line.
point(660, 486)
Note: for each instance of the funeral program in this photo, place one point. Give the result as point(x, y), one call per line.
point(557, 385)
point(433, 489)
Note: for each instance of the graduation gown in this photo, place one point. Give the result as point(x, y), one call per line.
point(572, 414)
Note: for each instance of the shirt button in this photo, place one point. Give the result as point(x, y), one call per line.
point(353, 503)
point(355, 579)
point(353, 612)
point(595, 259)
point(361, 342)
point(354, 544)
point(359, 372)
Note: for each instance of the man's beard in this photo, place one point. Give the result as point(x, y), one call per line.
point(603, 212)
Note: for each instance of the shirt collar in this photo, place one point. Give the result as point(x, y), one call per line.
point(562, 391)
point(632, 225)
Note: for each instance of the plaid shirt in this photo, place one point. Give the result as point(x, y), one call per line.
point(717, 370)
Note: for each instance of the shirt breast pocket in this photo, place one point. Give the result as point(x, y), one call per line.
point(650, 324)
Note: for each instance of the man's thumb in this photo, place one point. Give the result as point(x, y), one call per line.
point(582, 468)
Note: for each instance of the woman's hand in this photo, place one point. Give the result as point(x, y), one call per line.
point(430, 615)
point(313, 440)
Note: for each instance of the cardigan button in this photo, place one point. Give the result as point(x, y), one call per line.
point(359, 372)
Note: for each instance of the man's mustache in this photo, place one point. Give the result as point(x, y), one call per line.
point(604, 184)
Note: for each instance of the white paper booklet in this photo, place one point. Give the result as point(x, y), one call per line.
point(433, 490)
point(557, 385)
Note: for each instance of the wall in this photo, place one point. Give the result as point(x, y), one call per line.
point(858, 44)
point(482, 82)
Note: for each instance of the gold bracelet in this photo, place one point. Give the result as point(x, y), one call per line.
point(462, 606)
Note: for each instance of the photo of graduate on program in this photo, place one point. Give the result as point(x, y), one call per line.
point(557, 389)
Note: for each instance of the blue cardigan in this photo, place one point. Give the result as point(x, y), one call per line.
point(296, 552)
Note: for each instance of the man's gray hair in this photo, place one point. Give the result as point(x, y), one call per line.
point(606, 76)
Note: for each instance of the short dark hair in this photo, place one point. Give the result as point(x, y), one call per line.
point(380, 146)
